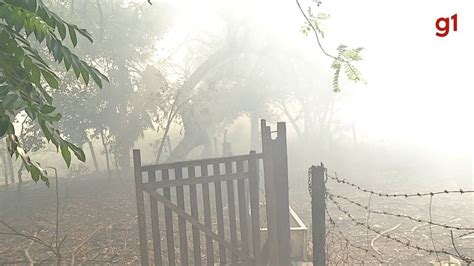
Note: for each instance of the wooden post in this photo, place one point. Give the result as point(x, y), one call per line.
point(280, 158)
point(254, 183)
point(318, 210)
point(276, 191)
point(137, 166)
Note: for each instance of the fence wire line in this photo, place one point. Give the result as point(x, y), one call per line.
point(336, 226)
point(460, 228)
point(408, 244)
point(394, 195)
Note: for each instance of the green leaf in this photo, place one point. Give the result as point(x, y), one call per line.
point(57, 52)
point(46, 109)
point(34, 172)
point(78, 152)
point(9, 100)
point(52, 117)
point(4, 124)
point(96, 78)
point(46, 131)
point(50, 79)
point(62, 30)
point(67, 58)
point(66, 154)
point(85, 75)
point(85, 33)
point(35, 75)
point(72, 35)
point(76, 65)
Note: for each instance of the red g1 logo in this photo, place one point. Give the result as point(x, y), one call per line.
point(443, 25)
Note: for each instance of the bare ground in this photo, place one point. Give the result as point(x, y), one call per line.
point(97, 225)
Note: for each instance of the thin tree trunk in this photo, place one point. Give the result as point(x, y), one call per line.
point(20, 171)
point(10, 168)
point(106, 150)
point(91, 148)
point(167, 128)
point(291, 118)
point(117, 167)
point(5, 170)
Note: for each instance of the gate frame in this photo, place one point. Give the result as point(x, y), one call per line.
point(275, 162)
point(250, 252)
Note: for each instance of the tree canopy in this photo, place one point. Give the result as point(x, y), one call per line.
point(32, 37)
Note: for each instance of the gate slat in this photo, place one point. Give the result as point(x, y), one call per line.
point(183, 238)
point(195, 222)
point(254, 205)
point(207, 216)
point(137, 167)
point(231, 207)
point(169, 221)
point(194, 212)
point(155, 224)
point(220, 214)
point(243, 209)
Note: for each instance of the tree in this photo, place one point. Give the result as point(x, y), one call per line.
point(251, 63)
point(31, 36)
point(125, 47)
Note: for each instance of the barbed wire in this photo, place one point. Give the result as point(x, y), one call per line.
point(460, 228)
point(394, 195)
point(367, 251)
point(408, 244)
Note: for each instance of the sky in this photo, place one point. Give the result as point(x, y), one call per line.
point(418, 87)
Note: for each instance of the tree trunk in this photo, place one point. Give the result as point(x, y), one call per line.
point(122, 149)
point(20, 171)
point(197, 137)
point(106, 150)
point(91, 148)
point(5, 170)
point(117, 167)
point(10, 168)
point(195, 134)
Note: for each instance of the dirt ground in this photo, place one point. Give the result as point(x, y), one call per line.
point(97, 224)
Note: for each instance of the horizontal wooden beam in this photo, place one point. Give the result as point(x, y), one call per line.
point(195, 181)
point(156, 167)
point(182, 213)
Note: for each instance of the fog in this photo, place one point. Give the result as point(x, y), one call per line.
point(190, 80)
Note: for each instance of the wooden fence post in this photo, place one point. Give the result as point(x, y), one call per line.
point(137, 168)
point(318, 212)
point(275, 163)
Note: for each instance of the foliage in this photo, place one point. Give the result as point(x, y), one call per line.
point(345, 57)
point(125, 46)
point(344, 60)
point(315, 22)
point(27, 29)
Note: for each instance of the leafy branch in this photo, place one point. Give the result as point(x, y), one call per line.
point(25, 77)
point(345, 56)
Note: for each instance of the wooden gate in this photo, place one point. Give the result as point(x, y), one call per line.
point(242, 171)
point(216, 200)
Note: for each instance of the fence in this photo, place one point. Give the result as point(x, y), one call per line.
point(321, 196)
point(234, 211)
